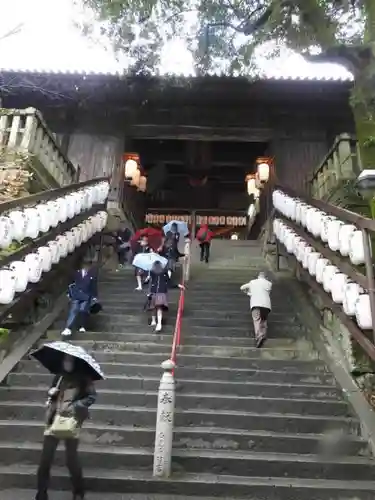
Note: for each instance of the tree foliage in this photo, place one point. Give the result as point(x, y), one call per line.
point(222, 34)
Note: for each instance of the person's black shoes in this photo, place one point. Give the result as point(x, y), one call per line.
point(260, 342)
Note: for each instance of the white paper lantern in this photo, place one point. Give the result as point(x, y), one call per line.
point(334, 227)
point(357, 249)
point(363, 312)
point(320, 266)
point(289, 241)
point(345, 234)
point(326, 219)
point(7, 286)
point(6, 232)
point(304, 210)
point(33, 262)
point(33, 223)
point(45, 256)
point(338, 284)
point(44, 212)
point(19, 224)
point(310, 212)
point(329, 271)
point(71, 241)
point(317, 223)
point(352, 292)
point(312, 261)
point(63, 245)
point(305, 261)
point(62, 213)
point(71, 205)
point(300, 251)
point(299, 207)
point(103, 219)
point(21, 273)
point(55, 251)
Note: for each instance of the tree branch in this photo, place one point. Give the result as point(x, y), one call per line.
point(349, 57)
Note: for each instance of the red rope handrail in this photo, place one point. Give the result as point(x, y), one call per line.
point(180, 310)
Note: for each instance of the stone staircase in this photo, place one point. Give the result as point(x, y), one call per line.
point(249, 423)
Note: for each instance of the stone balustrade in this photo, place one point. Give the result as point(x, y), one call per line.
point(25, 131)
point(341, 164)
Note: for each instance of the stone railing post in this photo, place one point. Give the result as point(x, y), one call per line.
point(164, 422)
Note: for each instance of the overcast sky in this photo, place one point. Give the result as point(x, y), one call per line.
point(49, 40)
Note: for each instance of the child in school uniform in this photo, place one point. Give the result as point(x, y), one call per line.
point(158, 294)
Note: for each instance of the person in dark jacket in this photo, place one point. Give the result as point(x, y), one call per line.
point(70, 395)
point(158, 294)
point(142, 247)
point(122, 245)
point(82, 292)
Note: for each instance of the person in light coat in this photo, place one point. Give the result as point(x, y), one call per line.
point(259, 291)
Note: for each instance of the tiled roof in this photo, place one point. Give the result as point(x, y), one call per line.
point(83, 74)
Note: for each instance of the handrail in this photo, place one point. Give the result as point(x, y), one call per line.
point(341, 163)
point(364, 280)
point(166, 394)
point(49, 195)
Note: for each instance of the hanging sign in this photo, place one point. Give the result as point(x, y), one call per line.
point(221, 220)
point(211, 220)
point(162, 219)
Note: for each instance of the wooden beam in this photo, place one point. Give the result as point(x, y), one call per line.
point(192, 132)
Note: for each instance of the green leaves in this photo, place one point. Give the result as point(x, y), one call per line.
point(222, 34)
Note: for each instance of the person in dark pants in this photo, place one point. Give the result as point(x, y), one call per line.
point(81, 293)
point(204, 236)
point(122, 245)
point(70, 395)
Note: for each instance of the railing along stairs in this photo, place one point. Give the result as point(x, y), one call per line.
point(43, 239)
point(332, 249)
point(24, 133)
point(167, 387)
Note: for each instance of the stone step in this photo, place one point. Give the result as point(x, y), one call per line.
point(257, 358)
point(262, 398)
point(234, 320)
point(194, 486)
point(135, 303)
point(275, 330)
point(145, 417)
point(262, 371)
point(191, 461)
point(126, 382)
point(224, 389)
point(221, 351)
point(198, 438)
point(190, 312)
point(165, 337)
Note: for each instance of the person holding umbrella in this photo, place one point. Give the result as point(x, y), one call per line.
point(169, 248)
point(141, 249)
point(69, 398)
point(82, 293)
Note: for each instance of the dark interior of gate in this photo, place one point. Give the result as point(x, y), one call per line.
point(197, 138)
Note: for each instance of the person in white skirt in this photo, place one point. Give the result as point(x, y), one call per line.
point(259, 291)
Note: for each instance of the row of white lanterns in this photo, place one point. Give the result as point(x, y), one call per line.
point(30, 222)
point(340, 236)
point(354, 299)
point(15, 277)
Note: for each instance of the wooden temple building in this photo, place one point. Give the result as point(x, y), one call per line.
point(197, 137)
